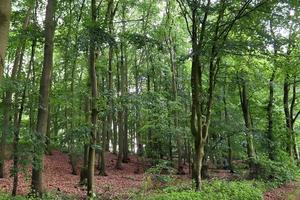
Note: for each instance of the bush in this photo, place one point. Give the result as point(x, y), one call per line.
point(159, 175)
point(215, 190)
point(278, 172)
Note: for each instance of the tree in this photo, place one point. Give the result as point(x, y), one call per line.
point(94, 96)
point(5, 9)
point(45, 82)
point(202, 100)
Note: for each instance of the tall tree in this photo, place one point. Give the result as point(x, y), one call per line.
point(9, 91)
point(198, 19)
point(45, 82)
point(94, 95)
point(5, 9)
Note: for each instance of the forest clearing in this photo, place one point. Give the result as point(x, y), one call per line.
point(149, 99)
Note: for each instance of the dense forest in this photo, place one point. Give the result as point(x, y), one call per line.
point(150, 99)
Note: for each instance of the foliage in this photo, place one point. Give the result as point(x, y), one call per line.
point(159, 175)
point(277, 172)
point(215, 190)
point(143, 62)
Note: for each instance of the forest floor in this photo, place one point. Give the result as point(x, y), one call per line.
point(290, 191)
point(58, 177)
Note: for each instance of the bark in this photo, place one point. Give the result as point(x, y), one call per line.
point(94, 111)
point(247, 119)
point(288, 119)
point(110, 17)
point(115, 131)
point(229, 137)
point(5, 11)
point(120, 141)
point(48, 132)
point(41, 128)
point(124, 88)
point(102, 141)
point(270, 134)
point(83, 170)
point(140, 149)
point(292, 146)
point(120, 122)
point(198, 127)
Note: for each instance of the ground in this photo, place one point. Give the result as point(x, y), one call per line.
point(58, 177)
point(290, 191)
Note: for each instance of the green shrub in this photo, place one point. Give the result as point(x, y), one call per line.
point(161, 167)
point(159, 175)
point(215, 190)
point(278, 172)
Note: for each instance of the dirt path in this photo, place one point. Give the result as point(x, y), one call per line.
point(289, 191)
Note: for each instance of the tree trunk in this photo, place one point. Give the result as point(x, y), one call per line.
point(292, 146)
point(270, 134)
point(83, 170)
point(5, 10)
point(41, 129)
point(229, 137)
point(94, 113)
point(120, 122)
point(288, 119)
point(246, 114)
point(48, 133)
point(115, 132)
point(140, 149)
point(102, 150)
point(124, 87)
point(110, 17)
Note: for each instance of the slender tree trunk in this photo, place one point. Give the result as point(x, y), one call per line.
point(270, 134)
point(115, 131)
point(83, 170)
point(292, 146)
point(104, 140)
point(120, 122)
point(48, 133)
point(5, 10)
point(139, 144)
point(293, 119)
point(124, 87)
point(94, 113)
point(110, 17)
point(41, 129)
point(246, 114)
point(229, 137)
point(286, 89)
